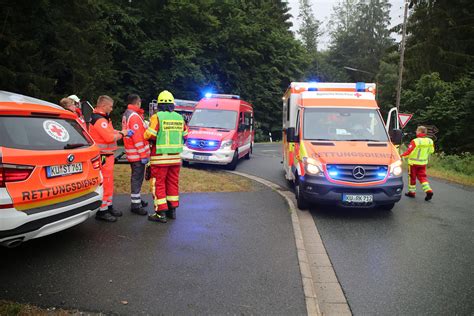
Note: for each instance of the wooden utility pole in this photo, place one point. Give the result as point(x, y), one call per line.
point(402, 54)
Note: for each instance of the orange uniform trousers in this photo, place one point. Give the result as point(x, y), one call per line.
point(107, 170)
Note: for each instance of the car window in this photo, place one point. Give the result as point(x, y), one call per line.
point(41, 133)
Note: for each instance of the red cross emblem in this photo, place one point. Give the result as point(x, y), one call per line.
point(56, 130)
point(358, 94)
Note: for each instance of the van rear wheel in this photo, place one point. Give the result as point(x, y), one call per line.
point(247, 156)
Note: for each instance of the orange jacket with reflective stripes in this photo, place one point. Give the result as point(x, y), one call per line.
point(103, 133)
point(136, 147)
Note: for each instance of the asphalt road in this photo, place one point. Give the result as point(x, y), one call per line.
point(415, 260)
point(227, 253)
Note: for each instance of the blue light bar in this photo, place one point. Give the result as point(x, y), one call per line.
point(208, 95)
point(381, 174)
point(360, 86)
point(193, 141)
point(333, 173)
point(211, 143)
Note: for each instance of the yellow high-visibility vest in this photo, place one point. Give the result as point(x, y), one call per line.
point(421, 153)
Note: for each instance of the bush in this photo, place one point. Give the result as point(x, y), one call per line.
point(462, 163)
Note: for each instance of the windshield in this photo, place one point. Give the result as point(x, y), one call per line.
point(343, 124)
point(214, 118)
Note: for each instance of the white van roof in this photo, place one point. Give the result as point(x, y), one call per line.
point(6, 96)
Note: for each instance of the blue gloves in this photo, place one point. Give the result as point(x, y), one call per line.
point(145, 160)
point(130, 133)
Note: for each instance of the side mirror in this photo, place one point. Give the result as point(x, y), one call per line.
point(290, 135)
point(396, 136)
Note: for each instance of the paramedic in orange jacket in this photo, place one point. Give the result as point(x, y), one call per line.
point(137, 151)
point(106, 137)
point(166, 133)
point(418, 153)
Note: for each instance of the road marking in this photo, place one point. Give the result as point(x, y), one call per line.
point(312, 258)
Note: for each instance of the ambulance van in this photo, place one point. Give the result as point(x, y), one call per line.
point(49, 170)
point(221, 131)
point(337, 150)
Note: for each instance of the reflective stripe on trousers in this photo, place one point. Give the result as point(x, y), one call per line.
point(136, 181)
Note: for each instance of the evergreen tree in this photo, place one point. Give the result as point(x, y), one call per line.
point(361, 36)
point(440, 39)
point(309, 28)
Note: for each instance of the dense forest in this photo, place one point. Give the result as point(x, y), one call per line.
point(53, 48)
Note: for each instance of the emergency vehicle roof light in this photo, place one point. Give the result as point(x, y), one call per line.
point(222, 96)
point(360, 86)
point(299, 87)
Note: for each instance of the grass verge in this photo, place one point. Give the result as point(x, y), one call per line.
point(8, 308)
point(456, 168)
point(191, 180)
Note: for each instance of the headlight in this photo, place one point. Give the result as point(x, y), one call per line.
point(312, 166)
point(396, 168)
point(226, 144)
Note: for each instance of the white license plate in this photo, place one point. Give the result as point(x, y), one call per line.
point(63, 170)
point(358, 198)
point(200, 157)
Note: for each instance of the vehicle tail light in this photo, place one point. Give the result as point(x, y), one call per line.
point(96, 162)
point(14, 173)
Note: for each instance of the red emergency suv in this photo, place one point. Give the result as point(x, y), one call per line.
point(49, 170)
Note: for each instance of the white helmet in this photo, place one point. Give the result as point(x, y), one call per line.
point(75, 98)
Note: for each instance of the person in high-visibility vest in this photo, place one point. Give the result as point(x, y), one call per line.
point(166, 134)
point(137, 151)
point(106, 137)
point(418, 153)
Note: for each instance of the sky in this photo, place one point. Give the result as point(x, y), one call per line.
point(322, 10)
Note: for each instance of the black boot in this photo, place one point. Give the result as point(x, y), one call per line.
point(158, 217)
point(429, 195)
point(105, 216)
point(171, 213)
point(144, 203)
point(114, 212)
point(138, 210)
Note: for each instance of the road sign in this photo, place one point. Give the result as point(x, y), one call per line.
point(404, 118)
point(432, 129)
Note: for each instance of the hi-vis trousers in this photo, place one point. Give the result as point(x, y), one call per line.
point(417, 171)
point(166, 188)
point(108, 174)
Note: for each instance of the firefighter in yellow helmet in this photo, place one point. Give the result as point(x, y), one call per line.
point(166, 134)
